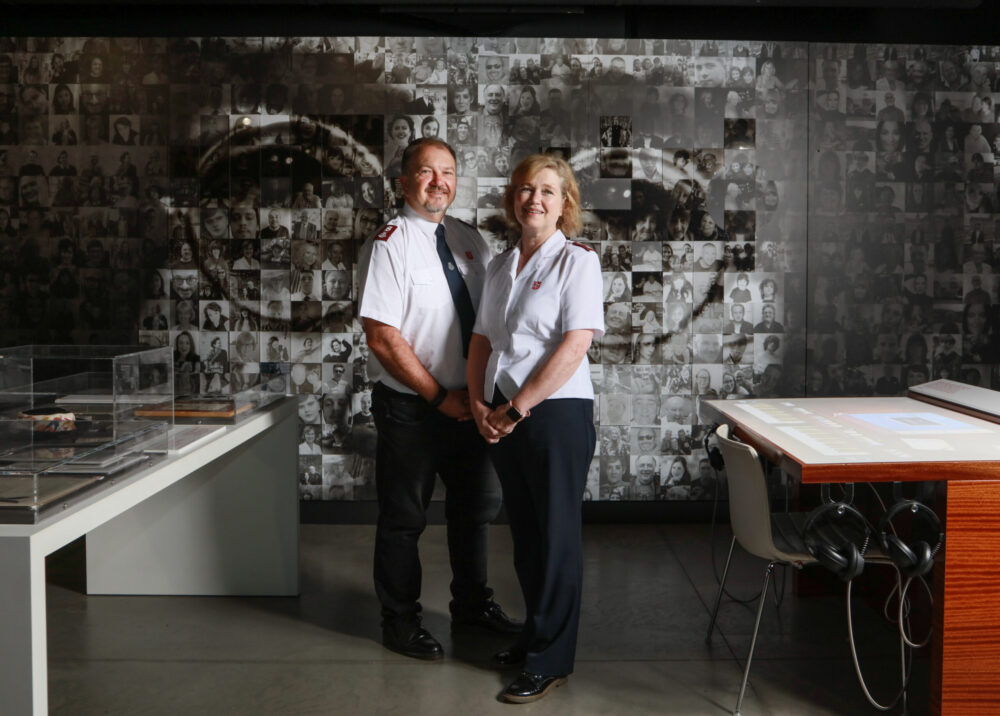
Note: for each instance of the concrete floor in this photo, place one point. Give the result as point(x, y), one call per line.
point(647, 594)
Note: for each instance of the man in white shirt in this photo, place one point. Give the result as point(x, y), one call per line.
point(335, 259)
point(307, 287)
point(976, 263)
point(417, 325)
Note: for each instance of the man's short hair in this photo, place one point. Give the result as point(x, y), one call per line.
point(414, 148)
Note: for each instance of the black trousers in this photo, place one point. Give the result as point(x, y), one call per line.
point(543, 467)
point(415, 443)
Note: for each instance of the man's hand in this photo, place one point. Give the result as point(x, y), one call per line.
point(456, 405)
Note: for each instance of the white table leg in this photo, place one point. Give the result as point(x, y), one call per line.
point(23, 658)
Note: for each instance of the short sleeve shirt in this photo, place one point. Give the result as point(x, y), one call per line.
point(525, 316)
point(402, 284)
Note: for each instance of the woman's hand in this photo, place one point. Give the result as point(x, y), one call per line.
point(499, 421)
point(481, 413)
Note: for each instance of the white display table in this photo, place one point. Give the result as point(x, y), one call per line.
point(221, 519)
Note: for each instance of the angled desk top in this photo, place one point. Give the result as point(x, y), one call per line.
point(865, 439)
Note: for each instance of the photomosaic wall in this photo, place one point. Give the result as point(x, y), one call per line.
point(211, 194)
point(904, 143)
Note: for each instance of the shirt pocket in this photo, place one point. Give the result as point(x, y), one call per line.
point(539, 315)
point(428, 289)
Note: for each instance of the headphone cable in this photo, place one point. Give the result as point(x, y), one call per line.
point(905, 658)
point(904, 600)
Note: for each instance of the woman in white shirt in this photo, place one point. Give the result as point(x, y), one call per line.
point(532, 399)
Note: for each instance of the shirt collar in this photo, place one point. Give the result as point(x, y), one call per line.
point(427, 226)
point(552, 244)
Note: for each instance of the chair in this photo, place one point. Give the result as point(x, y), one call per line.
point(775, 537)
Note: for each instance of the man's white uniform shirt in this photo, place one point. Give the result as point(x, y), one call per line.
point(525, 316)
point(402, 284)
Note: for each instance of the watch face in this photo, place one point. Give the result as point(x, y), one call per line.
point(513, 414)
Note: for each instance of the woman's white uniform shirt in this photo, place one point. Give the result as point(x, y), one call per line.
point(525, 316)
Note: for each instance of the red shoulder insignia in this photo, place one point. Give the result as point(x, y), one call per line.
point(385, 232)
point(582, 245)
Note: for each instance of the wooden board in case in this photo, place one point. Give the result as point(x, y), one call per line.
point(195, 409)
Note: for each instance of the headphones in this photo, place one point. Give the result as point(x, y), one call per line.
point(915, 557)
point(837, 535)
point(714, 455)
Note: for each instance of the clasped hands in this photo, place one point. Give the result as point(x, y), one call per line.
point(493, 423)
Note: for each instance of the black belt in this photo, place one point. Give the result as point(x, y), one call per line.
point(392, 394)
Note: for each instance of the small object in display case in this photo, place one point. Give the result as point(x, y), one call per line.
point(49, 420)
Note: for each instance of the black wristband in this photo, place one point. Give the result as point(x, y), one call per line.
point(439, 398)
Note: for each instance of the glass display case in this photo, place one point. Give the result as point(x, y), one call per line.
point(68, 420)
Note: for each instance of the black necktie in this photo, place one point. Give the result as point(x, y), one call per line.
point(459, 291)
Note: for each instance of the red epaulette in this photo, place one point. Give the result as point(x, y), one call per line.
point(581, 245)
point(385, 232)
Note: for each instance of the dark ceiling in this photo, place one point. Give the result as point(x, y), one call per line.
point(891, 21)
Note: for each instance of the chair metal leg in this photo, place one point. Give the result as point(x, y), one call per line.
point(722, 586)
point(774, 592)
point(753, 640)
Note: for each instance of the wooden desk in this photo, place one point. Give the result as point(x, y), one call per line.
point(221, 519)
point(900, 439)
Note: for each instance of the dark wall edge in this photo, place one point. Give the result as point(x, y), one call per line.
point(845, 24)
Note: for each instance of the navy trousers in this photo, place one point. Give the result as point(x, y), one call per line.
point(543, 467)
point(415, 443)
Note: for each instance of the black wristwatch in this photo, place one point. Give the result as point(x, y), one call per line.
point(439, 398)
point(513, 413)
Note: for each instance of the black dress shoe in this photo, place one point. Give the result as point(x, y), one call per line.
point(489, 616)
point(410, 639)
point(514, 656)
point(530, 687)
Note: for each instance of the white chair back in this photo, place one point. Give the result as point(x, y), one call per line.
point(749, 504)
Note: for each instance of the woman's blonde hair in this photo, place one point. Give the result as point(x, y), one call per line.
point(570, 222)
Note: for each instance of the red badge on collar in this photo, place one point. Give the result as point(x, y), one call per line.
point(385, 232)
point(468, 255)
point(536, 285)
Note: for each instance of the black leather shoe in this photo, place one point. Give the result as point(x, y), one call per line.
point(531, 687)
point(489, 616)
point(411, 639)
point(514, 656)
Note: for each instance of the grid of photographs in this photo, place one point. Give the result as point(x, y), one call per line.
point(903, 192)
point(211, 194)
